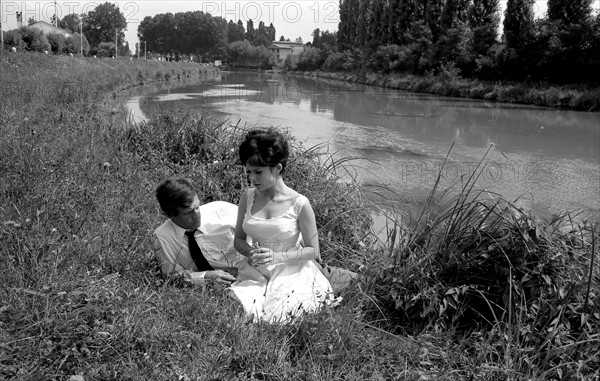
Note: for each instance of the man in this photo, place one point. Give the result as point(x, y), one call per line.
point(211, 225)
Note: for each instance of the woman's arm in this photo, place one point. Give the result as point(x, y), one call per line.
point(240, 242)
point(308, 227)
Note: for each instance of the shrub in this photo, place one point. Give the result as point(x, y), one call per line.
point(57, 42)
point(34, 39)
point(73, 44)
point(14, 38)
point(106, 49)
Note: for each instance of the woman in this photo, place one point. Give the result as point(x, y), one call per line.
point(276, 218)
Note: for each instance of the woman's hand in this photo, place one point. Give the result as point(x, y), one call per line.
point(262, 256)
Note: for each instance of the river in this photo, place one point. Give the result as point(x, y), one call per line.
point(545, 159)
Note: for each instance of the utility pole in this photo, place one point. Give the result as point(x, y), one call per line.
point(81, 35)
point(145, 51)
point(1, 32)
point(55, 14)
point(116, 44)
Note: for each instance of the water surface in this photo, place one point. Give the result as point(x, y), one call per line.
point(545, 159)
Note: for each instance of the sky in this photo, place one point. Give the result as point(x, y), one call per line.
point(292, 19)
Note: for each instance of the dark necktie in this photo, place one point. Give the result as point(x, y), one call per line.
point(201, 262)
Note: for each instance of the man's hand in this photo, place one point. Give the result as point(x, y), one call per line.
point(219, 276)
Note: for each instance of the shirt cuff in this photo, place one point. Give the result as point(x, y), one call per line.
point(196, 277)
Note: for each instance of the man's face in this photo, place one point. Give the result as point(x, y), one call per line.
point(189, 218)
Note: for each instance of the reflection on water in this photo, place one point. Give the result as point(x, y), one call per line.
point(547, 159)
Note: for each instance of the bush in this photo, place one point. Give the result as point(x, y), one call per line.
point(106, 49)
point(34, 39)
point(14, 38)
point(310, 59)
point(73, 44)
point(57, 42)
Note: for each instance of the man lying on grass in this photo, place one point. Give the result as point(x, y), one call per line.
point(196, 241)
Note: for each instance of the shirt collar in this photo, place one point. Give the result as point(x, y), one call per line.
point(179, 231)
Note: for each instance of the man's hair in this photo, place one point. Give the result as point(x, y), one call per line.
point(264, 148)
point(175, 193)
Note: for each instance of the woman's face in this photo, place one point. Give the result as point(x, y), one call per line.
point(263, 177)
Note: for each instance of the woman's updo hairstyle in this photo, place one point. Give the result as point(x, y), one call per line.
point(264, 148)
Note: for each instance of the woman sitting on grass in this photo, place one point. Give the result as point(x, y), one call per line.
point(277, 218)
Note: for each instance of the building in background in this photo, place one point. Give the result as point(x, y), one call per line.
point(48, 28)
point(282, 49)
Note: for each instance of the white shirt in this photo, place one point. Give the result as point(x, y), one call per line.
point(214, 236)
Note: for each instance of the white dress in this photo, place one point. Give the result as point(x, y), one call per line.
point(282, 291)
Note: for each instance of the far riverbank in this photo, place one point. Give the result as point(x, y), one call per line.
point(572, 97)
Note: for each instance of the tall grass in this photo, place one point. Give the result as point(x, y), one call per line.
point(478, 265)
point(471, 288)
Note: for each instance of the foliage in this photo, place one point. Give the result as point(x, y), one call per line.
point(558, 49)
point(244, 53)
point(200, 33)
point(106, 49)
point(14, 38)
point(57, 42)
point(34, 39)
point(71, 22)
point(310, 59)
point(105, 23)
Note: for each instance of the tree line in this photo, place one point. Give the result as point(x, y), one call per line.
point(199, 34)
point(103, 34)
point(420, 36)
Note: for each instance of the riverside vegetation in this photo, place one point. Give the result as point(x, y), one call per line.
point(471, 287)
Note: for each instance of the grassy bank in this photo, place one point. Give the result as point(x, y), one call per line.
point(449, 83)
point(79, 292)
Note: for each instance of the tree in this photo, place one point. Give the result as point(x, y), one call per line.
point(570, 11)
point(235, 32)
point(250, 30)
point(316, 35)
point(454, 14)
point(329, 41)
point(432, 17)
point(271, 33)
point(261, 35)
point(392, 24)
point(347, 24)
point(484, 18)
point(377, 33)
point(518, 23)
point(70, 22)
point(100, 24)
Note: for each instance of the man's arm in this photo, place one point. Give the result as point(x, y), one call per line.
point(166, 256)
